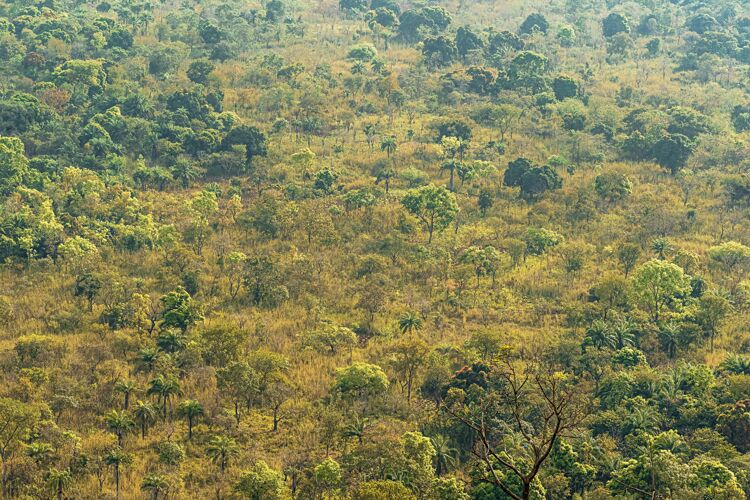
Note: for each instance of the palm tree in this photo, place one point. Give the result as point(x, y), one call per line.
point(670, 336)
point(119, 423)
point(356, 428)
point(388, 144)
point(736, 365)
point(623, 331)
point(660, 246)
point(409, 322)
point(156, 484)
point(185, 172)
point(599, 335)
point(164, 387)
point(369, 130)
point(445, 456)
point(146, 359)
point(39, 452)
point(171, 341)
point(145, 415)
point(126, 388)
point(220, 449)
point(58, 480)
point(117, 459)
point(451, 166)
point(385, 175)
point(190, 409)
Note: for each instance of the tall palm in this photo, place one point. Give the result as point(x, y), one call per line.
point(451, 166)
point(58, 480)
point(126, 388)
point(117, 459)
point(409, 322)
point(156, 484)
point(385, 175)
point(190, 409)
point(119, 423)
point(145, 414)
point(624, 331)
point(445, 455)
point(389, 145)
point(670, 336)
point(220, 449)
point(660, 246)
point(147, 358)
point(164, 387)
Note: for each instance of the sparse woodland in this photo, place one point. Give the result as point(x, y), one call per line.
point(375, 249)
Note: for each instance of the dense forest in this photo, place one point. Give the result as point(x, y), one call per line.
point(375, 249)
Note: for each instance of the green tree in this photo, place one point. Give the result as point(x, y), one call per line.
point(711, 313)
point(732, 259)
point(126, 388)
point(220, 450)
point(261, 483)
point(14, 166)
point(116, 459)
point(145, 414)
point(156, 484)
point(435, 207)
point(58, 480)
point(119, 423)
point(657, 284)
point(190, 409)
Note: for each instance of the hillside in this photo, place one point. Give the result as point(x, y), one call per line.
point(375, 249)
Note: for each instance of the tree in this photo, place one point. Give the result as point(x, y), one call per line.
point(565, 87)
point(658, 283)
point(251, 137)
point(712, 310)
point(13, 164)
point(360, 381)
point(58, 480)
point(733, 260)
point(261, 483)
point(88, 285)
point(407, 357)
point(467, 41)
point(439, 51)
point(190, 409)
point(673, 151)
point(534, 22)
point(538, 241)
point(628, 255)
point(145, 415)
point(199, 70)
point(126, 388)
point(116, 459)
point(389, 145)
point(238, 381)
point(409, 322)
point(180, 311)
point(445, 455)
point(156, 484)
point(435, 207)
point(164, 387)
point(484, 260)
point(613, 186)
point(329, 338)
point(614, 24)
point(221, 449)
point(119, 423)
point(541, 407)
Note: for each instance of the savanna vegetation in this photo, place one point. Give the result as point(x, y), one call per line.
point(375, 249)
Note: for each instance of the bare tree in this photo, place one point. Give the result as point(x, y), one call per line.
point(536, 406)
